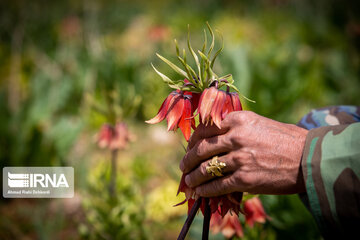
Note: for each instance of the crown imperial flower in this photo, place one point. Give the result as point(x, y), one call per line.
point(215, 104)
point(178, 109)
point(209, 95)
point(254, 211)
point(113, 137)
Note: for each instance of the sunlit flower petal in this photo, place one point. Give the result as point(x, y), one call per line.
point(206, 103)
point(178, 109)
point(185, 120)
point(162, 111)
point(175, 112)
point(217, 108)
point(228, 107)
point(236, 102)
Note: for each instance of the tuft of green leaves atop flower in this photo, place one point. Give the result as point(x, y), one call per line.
point(203, 76)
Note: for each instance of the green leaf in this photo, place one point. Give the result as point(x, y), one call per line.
point(228, 77)
point(205, 41)
point(203, 68)
point(218, 51)
point(177, 48)
point(235, 88)
point(164, 77)
point(174, 86)
point(213, 39)
point(206, 68)
point(194, 54)
point(173, 66)
point(189, 70)
point(210, 72)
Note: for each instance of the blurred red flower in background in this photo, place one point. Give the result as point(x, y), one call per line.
point(113, 137)
point(229, 225)
point(254, 211)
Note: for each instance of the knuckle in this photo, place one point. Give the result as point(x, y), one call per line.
point(235, 139)
point(199, 149)
point(234, 159)
point(226, 142)
point(242, 116)
point(242, 179)
point(229, 118)
point(232, 116)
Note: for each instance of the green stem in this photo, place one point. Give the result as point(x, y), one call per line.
point(112, 186)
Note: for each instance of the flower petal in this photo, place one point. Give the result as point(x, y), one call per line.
point(120, 137)
point(217, 108)
point(185, 120)
point(254, 211)
point(105, 136)
point(175, 110)
point(228, 107)
point(236, 102)
point(162, 111)
point(236, 225)
point(206, 102)
point(195, 101)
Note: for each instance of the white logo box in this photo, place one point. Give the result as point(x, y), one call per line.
point(38, 182)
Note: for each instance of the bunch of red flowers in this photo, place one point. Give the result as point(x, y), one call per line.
point(208, 96)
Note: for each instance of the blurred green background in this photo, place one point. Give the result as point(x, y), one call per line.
point(67, 67)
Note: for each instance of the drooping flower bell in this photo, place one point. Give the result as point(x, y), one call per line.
point(254, 211)
point(113, 137)
point(178, 109)
point(215, 104)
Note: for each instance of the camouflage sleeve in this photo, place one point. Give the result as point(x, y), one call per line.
point(331, 169)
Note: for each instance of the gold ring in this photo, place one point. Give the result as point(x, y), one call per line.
point(215, 167)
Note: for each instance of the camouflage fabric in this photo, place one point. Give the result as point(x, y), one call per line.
point(331, 169)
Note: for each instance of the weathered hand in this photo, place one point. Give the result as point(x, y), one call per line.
point(261, 156)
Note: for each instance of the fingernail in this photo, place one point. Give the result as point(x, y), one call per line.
point(187, 180)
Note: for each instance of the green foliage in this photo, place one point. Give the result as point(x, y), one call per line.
point(113, 217)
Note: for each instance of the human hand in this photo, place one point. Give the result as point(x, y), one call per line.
point(261, 156)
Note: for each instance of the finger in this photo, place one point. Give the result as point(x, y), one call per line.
point(200, 175)
point(203, 131)
point(217, 187)
point(204, 149)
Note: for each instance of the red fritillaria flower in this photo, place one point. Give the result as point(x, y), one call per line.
point(254, 211)
point(229, 225)
point(215, 104)
point(178, 109)
point(113, 137)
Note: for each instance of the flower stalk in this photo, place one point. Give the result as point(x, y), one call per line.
point(112, 186)
point(206, 224)
point(189, 219)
